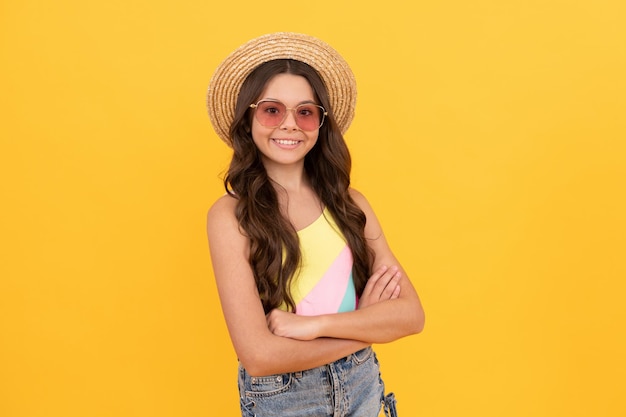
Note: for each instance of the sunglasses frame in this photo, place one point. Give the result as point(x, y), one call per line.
point(293, 109)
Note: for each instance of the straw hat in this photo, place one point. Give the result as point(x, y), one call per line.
point(228, 77)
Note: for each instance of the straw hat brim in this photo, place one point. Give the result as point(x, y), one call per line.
point(226, 82)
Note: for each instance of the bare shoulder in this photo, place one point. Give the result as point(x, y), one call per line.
point(221, 215)
point(359, 199)
point(362, 202)
point(222, 209)
point(373, 229)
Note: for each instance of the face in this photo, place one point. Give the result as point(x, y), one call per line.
point(286, 144)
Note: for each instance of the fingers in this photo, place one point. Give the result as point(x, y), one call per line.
point(396, 293)
point(392, 288)
point(270, 321)
point(285, 324)
point(373, 280)
point(273, 319)
point(383, 284)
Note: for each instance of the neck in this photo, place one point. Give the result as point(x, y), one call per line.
point(298, 201)
point(290, 178)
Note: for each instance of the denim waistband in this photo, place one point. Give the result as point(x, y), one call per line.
point(348, 386)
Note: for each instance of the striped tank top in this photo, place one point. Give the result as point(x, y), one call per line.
point(323, 284)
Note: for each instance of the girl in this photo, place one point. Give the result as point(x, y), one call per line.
point(306, 279)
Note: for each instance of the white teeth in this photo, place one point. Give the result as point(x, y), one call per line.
point(286, 142)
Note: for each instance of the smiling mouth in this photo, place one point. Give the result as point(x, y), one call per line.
point(286, 141)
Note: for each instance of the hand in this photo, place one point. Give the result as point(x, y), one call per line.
point(382, 285)
point(285, 324)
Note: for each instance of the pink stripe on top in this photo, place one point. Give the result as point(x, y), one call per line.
point(327, 295)
point(323, 283)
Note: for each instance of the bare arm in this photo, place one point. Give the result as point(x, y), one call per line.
point(259, 350)
point(389, 319)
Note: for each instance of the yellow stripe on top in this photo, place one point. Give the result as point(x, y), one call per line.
point(320, 244)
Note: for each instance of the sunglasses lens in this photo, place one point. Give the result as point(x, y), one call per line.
point(272, 113)
point(308, 116)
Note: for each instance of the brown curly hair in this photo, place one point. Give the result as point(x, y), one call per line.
point(274, 246)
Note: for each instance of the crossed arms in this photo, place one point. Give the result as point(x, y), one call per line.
point(280, 342)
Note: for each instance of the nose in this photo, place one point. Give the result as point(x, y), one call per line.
point(289, 122)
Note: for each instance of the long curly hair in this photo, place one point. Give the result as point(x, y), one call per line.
point(274, 246)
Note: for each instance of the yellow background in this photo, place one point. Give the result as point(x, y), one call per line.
point(489, 136)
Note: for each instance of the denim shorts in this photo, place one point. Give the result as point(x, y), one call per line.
point(349, 387)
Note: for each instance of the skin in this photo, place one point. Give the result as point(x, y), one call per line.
point(277, 157)
point(280, 342)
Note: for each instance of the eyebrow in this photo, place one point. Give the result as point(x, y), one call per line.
point(302, 102)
